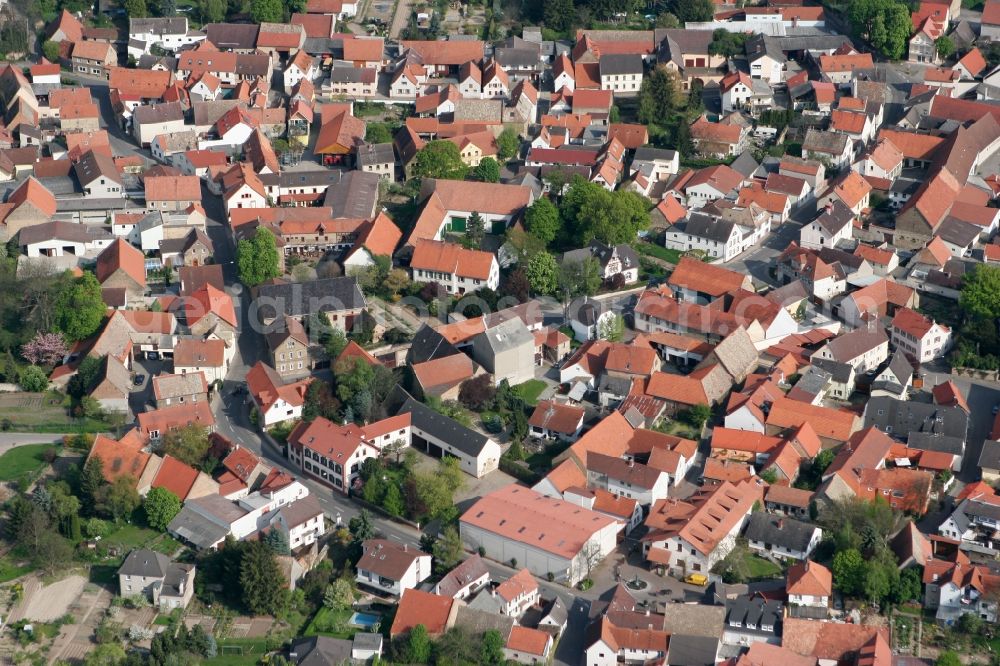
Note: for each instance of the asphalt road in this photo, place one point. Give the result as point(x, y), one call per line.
point(758, 260)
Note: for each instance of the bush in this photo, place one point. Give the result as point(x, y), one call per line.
point(33, 379)
point(585, 584)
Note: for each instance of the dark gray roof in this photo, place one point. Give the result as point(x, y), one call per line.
point(446, 429)
point(146, 563)
point(519, 57)
point(745, 164)
point(427, 345)
point(837, 371)
point(175, 579)
point(375, 153)
point(477, 622)
point(158, 113)
point(707, 226)
point(364, 640)
point(687, 650)
point(584, 310)
point(752, 614)
point(472, 569)
point(929, 441)
point(507, 335)
point(172, 25)
point(779, 531)
point(320, 651)
point(835, 217)
point(906, 417)
point(957, 232)
point(232, 36)
point(810, 42)
point(306, 298)
point(648, 154)
point(972, 507)
point(990, 457)
point(555, 612)
point(855, 343)
point(813, 381)
point(94, 165)
point(355, 196)
point(621, 63)
point(252, 64)
point(759, 45)
point(832, 143)
point(59, 230)
point(301, 178)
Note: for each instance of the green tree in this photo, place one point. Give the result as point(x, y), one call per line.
point(91, 483)
point(693, 11)
point(418, 645)
point(542, 220)
point(160, 506)
point(488, 170)
point(136, 8)
point(612, 328)
point(378, 133)
point(447, 550)
point(339, 595)
point(33, 379)
point(659, 96)
point(590, 211)
point(980, 296)
point(945, 46)
point(50, 50)
point(212, 11)
point(433, 494)
point(849, 571)
point(120, 498)
point(542, 273)
point(189, 444)
point(79, 308)
point(727, 44)
point(361, 527)
point(492, 648)
point(267, 11)
point(261, 579)
point(168, 8)
point(876, 582)
point(526, 245)
point(558, 14)
point(508, 144)
point(696, 415)
point(108, 654)
point(392, 500)
point(257, 258)
point(667, 20)
point(907, 587)
point(474, 229)
point(885, 24)
point(579, 278)
point(948, 658)
point(440, 159)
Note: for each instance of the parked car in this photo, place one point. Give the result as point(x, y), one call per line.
point(701, 580)
point(138, 380)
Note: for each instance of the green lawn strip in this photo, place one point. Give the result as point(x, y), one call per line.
point(326, 620)
point(530, 390)
point(9, 570)
point(252, 651)
point(660, 252)
point(758, 567)
point(21, 460)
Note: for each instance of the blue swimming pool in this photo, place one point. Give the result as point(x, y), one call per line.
point(364, 620)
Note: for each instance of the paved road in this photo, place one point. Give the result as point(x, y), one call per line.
point(761, 258)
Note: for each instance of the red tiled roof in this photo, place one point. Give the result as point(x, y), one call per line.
point(119, 458)
point(33, 192)
point(209, 300)
point(418, 607)
point(451, 258)
point(121, 256)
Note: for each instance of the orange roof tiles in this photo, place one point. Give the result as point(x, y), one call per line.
point(527, 640)
point(418, 607)
point(172, 188)
point(828, 423)
point(175, 476)
point(848, 121)
point(443, 373)
point(845, 63)
point(706, 278)
point(912, 145)
point(267, 387)
point(33, 192)
point(209, 300)
point(973, 62)
point(557, 417)
point(449, 53)
point(121, 256)
point(523, 515)
point(451, 258)
point(119, 458)
point(852, 189)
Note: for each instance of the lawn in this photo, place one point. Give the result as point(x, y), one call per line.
point(42, 412)
point(680, 429)
point(22, 461)
point(130, 537)
point(530, 390)
point(240, 651)
point(758, 567)
point(660, 252)
point(326, 621)
point(9, 571)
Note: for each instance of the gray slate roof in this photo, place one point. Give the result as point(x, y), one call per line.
point(779, 531)
point(990, 457)
point(306, 298)
point(446, 429)
point(687, 650)
point(906, 417)
point(146, 563)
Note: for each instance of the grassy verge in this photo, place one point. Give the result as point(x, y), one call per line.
point(23, 461)
point(9, 570)
point(240, 651)
point(530, 390)
point(330, 622)
point(758, 567)
point(660, 252)
point(42, 413)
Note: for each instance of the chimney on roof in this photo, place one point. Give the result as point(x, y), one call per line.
point(404, 547)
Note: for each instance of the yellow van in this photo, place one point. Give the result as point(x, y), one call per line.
point(701, 580)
